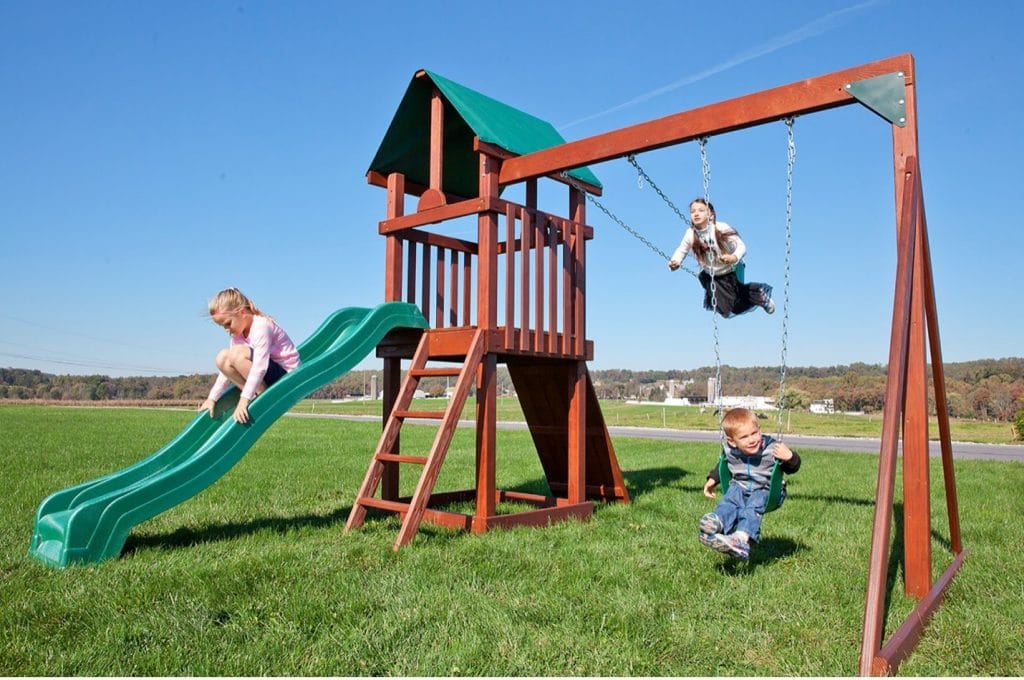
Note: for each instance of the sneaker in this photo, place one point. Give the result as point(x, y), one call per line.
point(738, 547)
point(764, 295)
point(734, 546)
point(719, 542)
point(711, 524)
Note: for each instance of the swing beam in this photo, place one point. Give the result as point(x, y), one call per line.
point(914, 320)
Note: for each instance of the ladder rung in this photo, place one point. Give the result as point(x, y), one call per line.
point(419, 414)
point(435, 372)
point(398, 458)
point(379, 504)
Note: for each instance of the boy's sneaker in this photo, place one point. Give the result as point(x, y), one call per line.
point(711, 524)
point(719, 542)
point(769, 305)
point(738, 547)
point(731, 545)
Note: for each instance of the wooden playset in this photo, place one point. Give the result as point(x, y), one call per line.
point(516, 294)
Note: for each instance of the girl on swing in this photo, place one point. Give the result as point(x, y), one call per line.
point(718, 248)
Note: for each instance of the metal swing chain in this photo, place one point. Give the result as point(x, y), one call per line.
point(705, 167)
point(612, 216)
point(790, 162)
point(642, 177)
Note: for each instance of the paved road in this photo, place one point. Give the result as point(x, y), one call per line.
point(1003, 452)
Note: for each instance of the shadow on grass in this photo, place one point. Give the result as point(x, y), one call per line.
point(186, 536)
point(830, 499)
point(769, 550)
point(894, 570)
point(639, 482)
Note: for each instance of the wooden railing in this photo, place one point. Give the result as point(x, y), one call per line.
point(438, 277)
point(539, 258)
point(543, 282)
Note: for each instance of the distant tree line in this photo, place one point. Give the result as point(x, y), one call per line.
point(987, 389)
point(18, 383)
point(23, 384)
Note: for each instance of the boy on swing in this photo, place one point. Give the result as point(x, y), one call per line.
point(750, 456)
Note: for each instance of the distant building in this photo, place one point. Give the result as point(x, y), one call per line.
point(715, 398)
point(713, 393)
point(673, 393)
point(751, 402)
point(823, 406)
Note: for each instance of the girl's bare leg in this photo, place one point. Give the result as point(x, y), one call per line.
point(235, 363)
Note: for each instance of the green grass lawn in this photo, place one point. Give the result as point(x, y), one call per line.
point(692, 418)
point(254, 576)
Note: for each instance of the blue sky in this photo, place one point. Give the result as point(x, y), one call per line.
point(155, 152)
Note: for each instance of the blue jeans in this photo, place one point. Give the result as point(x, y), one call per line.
point(742, 510)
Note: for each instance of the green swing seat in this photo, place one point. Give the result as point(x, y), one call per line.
point(776, 486)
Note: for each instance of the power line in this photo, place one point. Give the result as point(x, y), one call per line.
point(95, 364)
point(66, 331)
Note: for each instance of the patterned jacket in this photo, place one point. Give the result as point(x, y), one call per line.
point(755, 471)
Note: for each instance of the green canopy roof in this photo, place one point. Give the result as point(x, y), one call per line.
point(467, 113)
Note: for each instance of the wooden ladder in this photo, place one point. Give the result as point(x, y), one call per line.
point(414, 510)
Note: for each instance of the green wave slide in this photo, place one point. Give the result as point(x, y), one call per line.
point(90, 522)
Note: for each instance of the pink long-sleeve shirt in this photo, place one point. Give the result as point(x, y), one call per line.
point(268, 341)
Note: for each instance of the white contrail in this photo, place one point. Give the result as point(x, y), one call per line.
point(809, 30)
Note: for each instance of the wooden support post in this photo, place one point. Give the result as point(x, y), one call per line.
point(391, 378)
point(486, 440)
point(487, 320)
point(391, 384)
point(878, 560)
point(436, 139)
point(393, 247)
point(434, 196)
point(916, 486)
point(487, 237)
point(577, 444)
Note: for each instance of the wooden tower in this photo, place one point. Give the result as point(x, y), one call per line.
point(515, 295)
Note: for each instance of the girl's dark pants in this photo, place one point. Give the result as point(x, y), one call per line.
point(731, 296)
